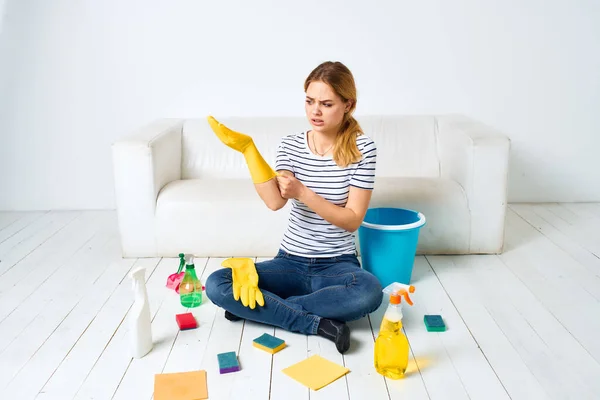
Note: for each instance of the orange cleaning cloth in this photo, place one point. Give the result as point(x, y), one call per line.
point(181, 386)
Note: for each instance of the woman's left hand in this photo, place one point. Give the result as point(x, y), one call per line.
point(290, 187)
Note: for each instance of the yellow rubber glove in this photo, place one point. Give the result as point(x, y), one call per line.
point(245, 281)
point(260, 171)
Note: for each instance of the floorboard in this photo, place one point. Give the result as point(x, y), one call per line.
point(521, 325)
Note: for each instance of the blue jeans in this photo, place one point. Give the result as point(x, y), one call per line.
point(299, 291)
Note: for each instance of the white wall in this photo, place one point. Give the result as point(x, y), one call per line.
point(82, 73)
point(3, 66)
point(2, 9)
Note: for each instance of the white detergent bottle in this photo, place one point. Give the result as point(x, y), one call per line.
point(140, 324)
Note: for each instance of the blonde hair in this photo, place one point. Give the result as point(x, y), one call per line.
point(339, 77)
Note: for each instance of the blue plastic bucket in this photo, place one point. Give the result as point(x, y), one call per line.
point(388, 239)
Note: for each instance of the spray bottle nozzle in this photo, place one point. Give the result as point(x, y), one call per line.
point(181, 262)
point(137, 275)
point(397, 290)
point(189, 259)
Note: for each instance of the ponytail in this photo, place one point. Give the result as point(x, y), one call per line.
point(345, 150)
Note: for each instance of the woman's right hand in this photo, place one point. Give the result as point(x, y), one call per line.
point(236, 140)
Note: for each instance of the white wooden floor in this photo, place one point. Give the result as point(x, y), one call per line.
point(522, 325)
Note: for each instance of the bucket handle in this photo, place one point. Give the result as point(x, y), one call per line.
point(405, 227)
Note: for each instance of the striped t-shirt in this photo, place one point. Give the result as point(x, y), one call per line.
point(308, 234)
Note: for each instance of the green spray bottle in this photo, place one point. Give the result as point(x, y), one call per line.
point(190, 289)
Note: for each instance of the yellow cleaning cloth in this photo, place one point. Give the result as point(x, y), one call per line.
point(315, 372)
point(180, 386)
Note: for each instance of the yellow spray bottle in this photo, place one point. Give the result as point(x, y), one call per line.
point(391, 345)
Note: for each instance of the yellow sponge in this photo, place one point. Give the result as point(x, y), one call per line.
point(268, 343)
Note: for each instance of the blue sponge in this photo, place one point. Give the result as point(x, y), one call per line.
point(228, 362)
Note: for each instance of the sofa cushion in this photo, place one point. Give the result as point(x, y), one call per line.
point(205, 214)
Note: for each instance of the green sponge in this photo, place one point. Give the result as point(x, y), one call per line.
point(434, 323)
point(268, 343)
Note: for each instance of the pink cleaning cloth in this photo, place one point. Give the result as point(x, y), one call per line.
point(174, 280)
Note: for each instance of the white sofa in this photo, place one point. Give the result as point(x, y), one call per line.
point(179, 189)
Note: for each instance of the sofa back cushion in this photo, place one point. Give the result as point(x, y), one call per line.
point(406, 145)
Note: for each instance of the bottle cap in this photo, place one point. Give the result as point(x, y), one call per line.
point(399, 289)
point(395, 299)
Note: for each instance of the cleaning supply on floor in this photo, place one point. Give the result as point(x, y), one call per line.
point(268, 343)
point(391, 345)
point(190, 289)
point(181, 386)
point(228, 362)
point(315, 372)
point(434, 323)
point(174, 280)
point(186, 321)
point(140, 322)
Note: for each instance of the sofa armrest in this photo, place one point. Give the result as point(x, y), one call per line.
point(477, 156)
point(143, 163)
